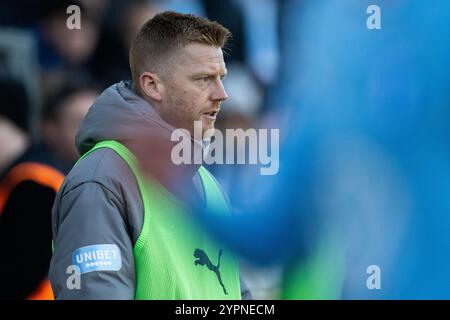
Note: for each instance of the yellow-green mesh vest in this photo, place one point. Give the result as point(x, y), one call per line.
point(175, 259)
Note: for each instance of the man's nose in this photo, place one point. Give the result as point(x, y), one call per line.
point(219, 93)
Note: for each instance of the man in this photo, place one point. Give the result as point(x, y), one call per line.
point(119, 227)
point(28, 189)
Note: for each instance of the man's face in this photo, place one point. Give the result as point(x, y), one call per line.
point(193, 88)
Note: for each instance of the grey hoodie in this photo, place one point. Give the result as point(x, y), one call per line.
point(98, 208)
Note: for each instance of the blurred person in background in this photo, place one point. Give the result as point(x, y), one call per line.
point(28, 190)
point(14, 138)
point(61, 117)
point(63, 50)
point(364, 175)
point(109, 63)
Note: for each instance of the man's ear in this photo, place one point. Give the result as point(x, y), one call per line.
point(151, 85)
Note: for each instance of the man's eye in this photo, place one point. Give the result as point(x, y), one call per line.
point(204, 79)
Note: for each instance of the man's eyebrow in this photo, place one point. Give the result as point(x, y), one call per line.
point(209, 73)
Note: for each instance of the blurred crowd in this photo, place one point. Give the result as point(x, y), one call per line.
point(364, 118)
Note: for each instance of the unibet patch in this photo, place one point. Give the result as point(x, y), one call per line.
point(99, 257)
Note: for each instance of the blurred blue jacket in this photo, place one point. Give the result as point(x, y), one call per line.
point(367, 161)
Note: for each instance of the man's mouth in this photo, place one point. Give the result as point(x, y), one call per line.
point(211, 115)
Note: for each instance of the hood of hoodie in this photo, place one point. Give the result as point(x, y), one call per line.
point(119, 114)
point(122, 115)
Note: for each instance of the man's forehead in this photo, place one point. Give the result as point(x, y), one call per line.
point(203, 56)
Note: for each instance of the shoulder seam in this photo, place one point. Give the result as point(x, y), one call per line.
point(92, 182)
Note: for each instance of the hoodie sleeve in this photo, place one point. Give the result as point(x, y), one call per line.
point(96, 219)
point(91, 227)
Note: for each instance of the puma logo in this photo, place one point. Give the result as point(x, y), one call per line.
point(203, 260)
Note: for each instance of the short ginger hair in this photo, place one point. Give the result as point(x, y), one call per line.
point(166, 32)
